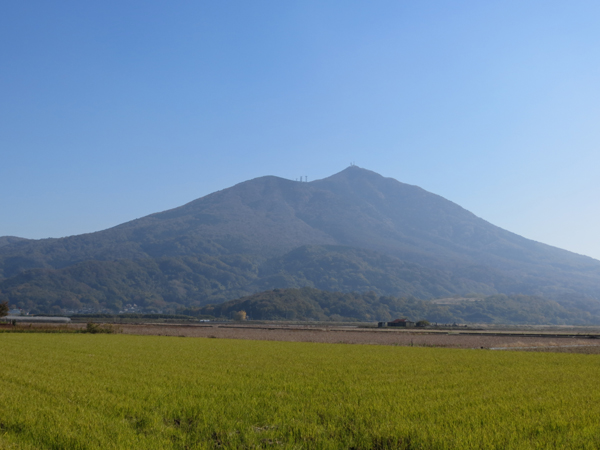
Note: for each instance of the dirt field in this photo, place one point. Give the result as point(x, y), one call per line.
point(540, 339)
point(505, 340)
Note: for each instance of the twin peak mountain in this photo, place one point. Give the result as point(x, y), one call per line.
point(353, 231)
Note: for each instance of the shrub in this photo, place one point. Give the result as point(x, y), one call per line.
point(239, 315)
point(95, 328)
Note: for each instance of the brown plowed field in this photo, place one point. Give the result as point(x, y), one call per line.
point(543, 341)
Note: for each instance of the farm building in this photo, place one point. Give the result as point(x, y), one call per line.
point(401, 323)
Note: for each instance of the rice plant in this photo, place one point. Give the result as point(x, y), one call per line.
point(99, 391)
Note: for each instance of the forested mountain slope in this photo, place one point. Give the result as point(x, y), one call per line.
point(353, 231)
point(313, 304)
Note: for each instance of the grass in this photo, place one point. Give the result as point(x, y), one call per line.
point(84, 391)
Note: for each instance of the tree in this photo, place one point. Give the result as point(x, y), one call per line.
point(239, 315)
point(4, 309)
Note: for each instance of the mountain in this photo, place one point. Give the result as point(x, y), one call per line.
point(353, 231)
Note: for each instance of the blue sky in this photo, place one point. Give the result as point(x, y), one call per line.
point(114, 110)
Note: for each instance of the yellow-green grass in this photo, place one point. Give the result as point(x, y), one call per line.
point(78, 391)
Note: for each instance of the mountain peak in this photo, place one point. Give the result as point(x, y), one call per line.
point(362, 183)
point(353, 172)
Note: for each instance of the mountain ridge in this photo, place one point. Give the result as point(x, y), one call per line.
point(258, 222)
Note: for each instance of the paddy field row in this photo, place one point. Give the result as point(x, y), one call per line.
point(84, 391)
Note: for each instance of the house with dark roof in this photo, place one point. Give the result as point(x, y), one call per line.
point(401, 323)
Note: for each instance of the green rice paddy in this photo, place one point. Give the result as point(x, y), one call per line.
point(80, 391)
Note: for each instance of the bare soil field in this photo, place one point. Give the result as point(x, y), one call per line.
point(540, 339)
point(489, 339)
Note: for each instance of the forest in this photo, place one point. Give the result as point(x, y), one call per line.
point(317, 305)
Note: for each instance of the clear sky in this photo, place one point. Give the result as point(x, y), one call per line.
point(112, 110)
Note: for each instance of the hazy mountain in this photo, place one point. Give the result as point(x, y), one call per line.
point(355, 230)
